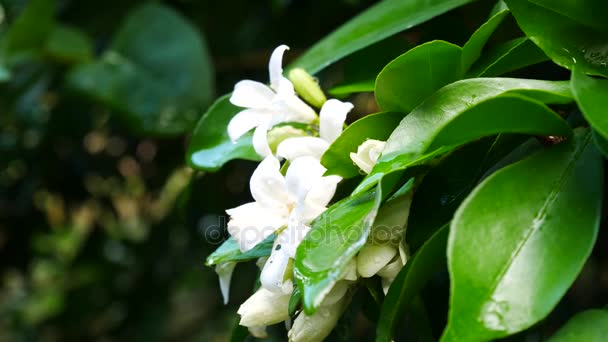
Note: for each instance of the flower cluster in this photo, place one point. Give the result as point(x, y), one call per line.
point(288, 197)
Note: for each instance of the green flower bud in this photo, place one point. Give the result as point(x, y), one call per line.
point(307, 87)
point(278, 134)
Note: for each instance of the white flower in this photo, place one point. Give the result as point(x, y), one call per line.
point(267, 106)
point(294, 199)
point(332, 117)
point(367, 154)
point(264, 308)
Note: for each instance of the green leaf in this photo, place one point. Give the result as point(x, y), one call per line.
point(412, 77)
point(210, 147)
point(375, 126)
point(408, 283)
point(473, 47)
point(601, 143)
point(447, 184)
point(588, 326)
point(509, 56)
point(69, 45)
point(230, 251)
point(379, 22)
point(335, 238)
point(28, 34)
point(467, 110)
point(512, 252)
point(354, 87)
point(587, 12)
point(591, 95)
point(565, 41)
point(160, 93)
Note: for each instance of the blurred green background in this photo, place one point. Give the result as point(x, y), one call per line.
point(103, 228)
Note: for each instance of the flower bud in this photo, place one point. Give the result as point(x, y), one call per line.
point(278, 134)
point(350, 271)
point(307, 87)
point(367, 154)
point(392, 269)
point(264, 308)
point(372, 258)
point(316, 327)
point(224, 273)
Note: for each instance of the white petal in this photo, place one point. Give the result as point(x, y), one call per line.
point(260, 140)
point(264, 308)
point(303, 173)
point(267, 184)
point(372, 258)
point(323, 190)
point(275, 67)
point(285, 88)
point(273, 276)
point(293, 148)
point(332, 116)
point(224, 272)
point(309, 211)
point(244, 121)
point(295, 109)
point(290, 238)
point(252, 223)
point(252, 94)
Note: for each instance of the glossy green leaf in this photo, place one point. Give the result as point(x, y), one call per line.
point(408, 283)
point(509, 56)
point(468, 110)
point(473, 47)
point(412, 77)
point(379, 22)
point(587, 12)
point(28, 34)
point(69, 45)
point(588, 326)
point(160, 93)
point(447, 184)
point(512, 252)
point(210, 147)
point(375, 126)
point(565, 41)
point(230, 251)
point(591, 95)
point(336, 237)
